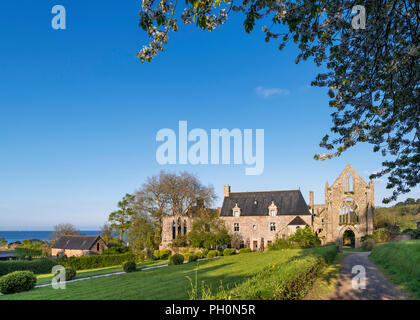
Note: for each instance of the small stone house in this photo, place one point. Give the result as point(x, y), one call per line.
point(77, 246)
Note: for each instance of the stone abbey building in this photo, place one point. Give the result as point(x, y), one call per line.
point(256, 219)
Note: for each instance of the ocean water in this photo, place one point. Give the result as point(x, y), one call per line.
point(12, 236)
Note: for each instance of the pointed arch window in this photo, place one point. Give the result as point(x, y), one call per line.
point(179, 225)
point(173, 229)
point(185, 226)
point(348, 183)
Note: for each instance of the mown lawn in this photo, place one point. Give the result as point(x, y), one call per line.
point(400, 261)
point(47, 278)
point(168, 282)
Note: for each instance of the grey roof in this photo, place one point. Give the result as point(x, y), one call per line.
point(6, 254)
point(298, 221)
point(76, 242)
point(289, 202)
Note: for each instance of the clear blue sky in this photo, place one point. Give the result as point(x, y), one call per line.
point(79, 113)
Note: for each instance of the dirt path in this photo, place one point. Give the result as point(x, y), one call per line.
point(377, 286)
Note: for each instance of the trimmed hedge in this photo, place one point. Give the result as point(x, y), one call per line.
point(245, 250)
point(212, 254)
point(229, 252)
point(156, 255)
point(69, 273)
point(129, 266)
point(37, 266)
point(164, 254)
point(199, 254)
point(192, 258)
point(95, 261)
point(17, 281)
point(176, 259)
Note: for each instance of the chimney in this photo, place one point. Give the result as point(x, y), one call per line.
point(311, 199)
point(227, 191)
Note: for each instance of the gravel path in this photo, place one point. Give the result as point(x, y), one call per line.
point(377, 286)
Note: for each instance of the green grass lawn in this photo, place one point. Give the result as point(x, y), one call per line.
point(47, 278)
point(400, 262)
point(168, 282)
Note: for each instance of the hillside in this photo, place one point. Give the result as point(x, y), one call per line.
point(403, 214)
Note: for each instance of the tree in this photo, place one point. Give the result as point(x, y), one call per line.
point(142, 232)
point(372, 66)
point(107, 235)
point(3, 242)
point(169, 194)
point(304, 238)
point(63, 229)
point(120, 219)
point(208, 231)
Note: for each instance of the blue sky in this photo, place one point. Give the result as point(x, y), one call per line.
point(80, 113)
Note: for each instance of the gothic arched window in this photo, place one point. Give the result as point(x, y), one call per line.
point(185, 226)
point(179, 225)
point(173, 229)
point(348, 183)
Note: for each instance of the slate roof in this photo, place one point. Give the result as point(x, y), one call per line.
point(298, 221)
point(288, 202)
point(6, 254)
point(76, 242)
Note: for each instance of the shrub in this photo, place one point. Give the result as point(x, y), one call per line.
point(382, 235)
point(192, 258)
point(129, 266)
point(415, 234)
point(368, 244)
point(176, 259)
point(212, 254)
point(69, 273)
point(17, 281)
point(156, 255)
point(245, 250)
point(141, 257)
point(229, 252)
point(186, 256)
point(199, 254)
point(164, 254)
point(22, 253)
point(38, 266)
point(205, 251)
point(304, 238)
point(117, 249)
point(95, 261)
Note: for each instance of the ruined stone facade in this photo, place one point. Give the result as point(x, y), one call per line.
point(255, 219)
point(349, 204)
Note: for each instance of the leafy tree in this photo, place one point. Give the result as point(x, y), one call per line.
point(3, 242)
point(372, 68)
point(107, 234)
point(142, 233)
point(208, 231)
point(120, 219)
point(64, 229)
point(304, 238)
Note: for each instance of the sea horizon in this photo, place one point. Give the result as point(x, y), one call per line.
point(19, 235)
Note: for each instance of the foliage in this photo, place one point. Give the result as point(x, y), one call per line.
point(69, 273)
point(229, 252)
point(212, 254)
point(142, 233)
point(208, 231)
point(199, 254)
point(120, 219)
point(414, 233)
point(64, 229)
point(304, 238)
point(3, 242)
point(192, 257)
point(370, 71)
point(403, 214)
point(115, 248)
point(22, 253)
point(382, 235)
point(156, 255)
point(401, 262)
point(164, 254)
point(176, 259)
point(181, 240)
point(129, 266)
point(108, 235)
point(17, 281)
point(245, 250)
point(95, 261)
point(368, 244)
point(37, 266)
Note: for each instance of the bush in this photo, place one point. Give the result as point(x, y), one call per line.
point(382, 235)
point(141, 257)
point(245, 250)
point(69, 273)
point(199, 254)
point(22, 253)
point(176, 259)
point(212, 254)
point(38, 266)
point(95, 261)
point(129, 266)
point(17, 281)
point(156, 255)
point(192, 258)
point(368, 244)
point(229, 252)
point(205, 251)
point(415, 234)
point(186, 256)
point(116, 249)
point(304, 238)
point(164, 254)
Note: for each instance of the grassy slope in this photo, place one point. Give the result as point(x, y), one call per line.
point(400, 261)
point(164, 283)
point(327, 279)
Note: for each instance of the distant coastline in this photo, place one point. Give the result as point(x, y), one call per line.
point(12, 236)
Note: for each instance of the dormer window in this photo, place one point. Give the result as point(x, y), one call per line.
point(236, 211)
point(272, 209)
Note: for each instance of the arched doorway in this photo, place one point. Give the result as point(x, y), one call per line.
point(351, 232)
point(349, 239)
